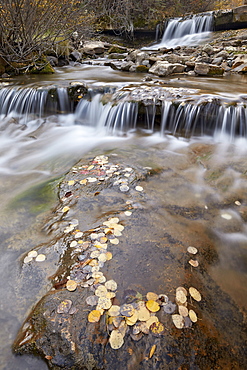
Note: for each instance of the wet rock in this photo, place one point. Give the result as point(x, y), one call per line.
point(92, 48)
point(208, 49)
point(116, 56)
point(75, 56)
point(240, 69)
point(126, 65)
point(241, 59)
point(165, 69)
point(217, 61)
point(53, 60)
point(204, 69)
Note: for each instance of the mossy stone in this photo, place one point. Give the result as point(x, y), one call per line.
point(142, 69)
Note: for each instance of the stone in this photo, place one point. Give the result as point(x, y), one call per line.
point(126, 65)
point(208, 49)
point(166, 69)
point(203, 69)
point(92, 48)
point(116, 56)
point(241, 59)
point(52, 60)
point(217, 61)
point(75, 56)
point(240, 69)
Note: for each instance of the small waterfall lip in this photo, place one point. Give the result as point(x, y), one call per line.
point(178, 111)
point(185, 31)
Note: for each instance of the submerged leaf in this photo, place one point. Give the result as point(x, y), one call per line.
point(157, 328)
point(195, 294)
point(192, 316)
point(71, 285)
point(94, 316)
point(116, 339)
point(64, 306)
point(152, 350)
point(152, 296)
point(194, 263)
point(153, 306)
point(178, 321)
point(192, 250)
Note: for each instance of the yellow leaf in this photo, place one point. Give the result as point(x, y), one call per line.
point(192, 316)
point(71, 182)
point(153, 306)
point(157, 328)
point(152, 350)
point(65, 209)
point(71, 285)
point(152, 296)
point(116, 339)
point(195, 294)
point(178, 321)
point(94, 316)
point(83, 182)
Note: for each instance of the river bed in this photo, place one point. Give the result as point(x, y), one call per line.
point(196, 174)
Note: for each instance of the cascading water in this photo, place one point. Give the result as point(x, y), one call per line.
point(187, 31)
point(200, 116)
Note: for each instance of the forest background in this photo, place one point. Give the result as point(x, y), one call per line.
point(30, 28)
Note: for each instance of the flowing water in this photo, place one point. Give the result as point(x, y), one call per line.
point(41, 138)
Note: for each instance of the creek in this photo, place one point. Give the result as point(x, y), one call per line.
point(205, 172)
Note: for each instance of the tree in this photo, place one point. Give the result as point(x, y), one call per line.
point(30, 27)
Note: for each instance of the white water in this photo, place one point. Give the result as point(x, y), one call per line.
point(185, 32)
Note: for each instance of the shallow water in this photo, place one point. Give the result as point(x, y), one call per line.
point(196, 174)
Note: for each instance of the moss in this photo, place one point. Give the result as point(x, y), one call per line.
point(216, 72)
point(116, 50)
point(142, 69)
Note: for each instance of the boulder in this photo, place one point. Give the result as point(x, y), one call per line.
point(241, 59)
point(75, 56)
point(166, 69)
point(240, 14)
point(204, 69)
point(126, 65)
point(96, 47)
point(240, 69)
point(208, 49)
point(137, 56)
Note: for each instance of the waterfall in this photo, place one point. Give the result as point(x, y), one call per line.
point(186, 31)
point(203, 115)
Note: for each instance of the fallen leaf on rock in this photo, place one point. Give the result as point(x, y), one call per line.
point(139, 188)
point(114, 241)
point(132, 319)
point(92, 300)
point(152, 296)
point(65, 209)
point(83, 182)
point(73, 244)
point(102, 257)
point(180, 297)
point(192, 250)
point(152, 350)
point(183, 311)
point(124, 188)
point(104, 303)
point(71, 285)
point(143, 314)
point(192, 316)
point(94, 316)
point(91, 179)
point(152, 306)
point(32, 254)
point(71, 182)
point(108, 256)
point(79, 234)
point(195, 294)
point(114, 310)
point(182, 289)
point(194, 263)
point(128, 213)
point(178, 321)
point(127, 310)
point(157, 328)
point(64, 306)
point(27, 259)
point(150, 321)
point(68, 229)
point(101, 291)
point(111, 285)
point(226, 216)
point(40, 258)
